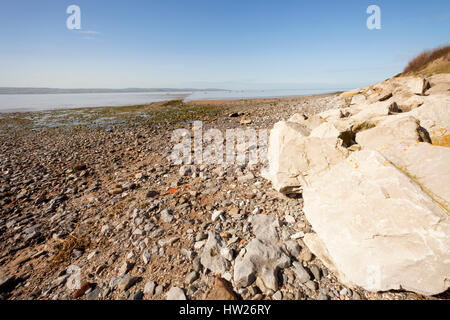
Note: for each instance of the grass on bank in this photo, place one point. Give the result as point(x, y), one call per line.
point(430, 61)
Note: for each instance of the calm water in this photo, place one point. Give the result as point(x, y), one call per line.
point(242, 94)
point(39, 102)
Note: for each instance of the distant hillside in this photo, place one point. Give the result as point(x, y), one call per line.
point(430, 62)
point(13, 90)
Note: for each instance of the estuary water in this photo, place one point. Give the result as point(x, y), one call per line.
point(40, 102)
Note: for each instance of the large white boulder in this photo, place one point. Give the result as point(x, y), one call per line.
point(392, 131)
point(359, 99)
point(326, 130)
point(294, 157)
point(417, 85)
point(399, 139)
point(434, 116)
point(427, 165)
point(381, 215)
point(377, 226)
point(380, 92)
point(407, 103)
point(373, 110)
point(308, 123)
point(440, 84)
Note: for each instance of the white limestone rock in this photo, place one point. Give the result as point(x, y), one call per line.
point(293, 156)
point(378, 228)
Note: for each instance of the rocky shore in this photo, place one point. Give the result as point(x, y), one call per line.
point(92, 207)
point(374, 178)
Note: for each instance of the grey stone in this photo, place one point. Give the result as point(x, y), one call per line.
point(157, 233)
point(167, 241)
point(227, 253)
point(211, 258)
point(201, 236)
point(356, 296)
point(277, 295)
point(293, 248)
point(322, 296)
point(138, 232)
point(126, 267)
point(105, 229)
point(151, 194)
point(343, 292)
point(197, 265)
point(94, 294)
point(158, 291)
point(146, 256)
point(216, 215)
point(138, 295)
point(127, 282)
point(149, 288)
point(191, 277)
point(166, 216)
point(289, 219)
point(262, 259)
point(265, 227)
point(175, 293)
point(301, 274)
point(188, 253)
point(247, 177)
point(315, 271)
point(311, 285)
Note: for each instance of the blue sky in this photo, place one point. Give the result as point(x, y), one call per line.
point(227, 44)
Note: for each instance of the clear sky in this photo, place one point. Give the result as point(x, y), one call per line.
point(210, 43)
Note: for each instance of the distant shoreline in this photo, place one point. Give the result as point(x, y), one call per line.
point(172, 113)
point(33, 90)
point(51, 102)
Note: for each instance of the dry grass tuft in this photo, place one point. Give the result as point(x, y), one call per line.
point(423, 59)
point(69, 244)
